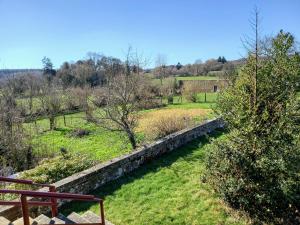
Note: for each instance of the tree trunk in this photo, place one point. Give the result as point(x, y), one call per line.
point(35, 126)
point(161, 94)
point(65, 122)
point(29, 157)
point(30, 104)
point(131, 138)
point(52, 122)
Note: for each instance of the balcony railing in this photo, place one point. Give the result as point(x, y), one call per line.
point(52, 195)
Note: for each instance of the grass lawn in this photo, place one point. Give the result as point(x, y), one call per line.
point(211, 99)
point(165, 191)
point(101, 144)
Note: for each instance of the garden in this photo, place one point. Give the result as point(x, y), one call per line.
point(170, 190)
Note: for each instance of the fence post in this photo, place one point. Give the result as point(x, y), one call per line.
point(102, 212)
point(25, 211)
point(54, 210)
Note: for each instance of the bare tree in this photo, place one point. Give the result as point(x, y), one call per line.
point(14, 149)
point(160, 64)
point(160, 70)
point(120, 112)
point(32, 85)
point(123, 98)
point(83, 71)
point(51, 100)
point(198, 67)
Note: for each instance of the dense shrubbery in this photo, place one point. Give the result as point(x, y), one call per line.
point(52, 170)
point(256, 167)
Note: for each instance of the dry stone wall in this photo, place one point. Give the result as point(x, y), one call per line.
point(88, 180)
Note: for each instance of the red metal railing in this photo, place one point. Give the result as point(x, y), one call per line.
point(54, 210)
point(52, 195)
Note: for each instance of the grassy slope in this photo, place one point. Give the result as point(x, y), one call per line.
point(166, 191)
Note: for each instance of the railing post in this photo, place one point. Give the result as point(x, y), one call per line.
point(102, 212)
point(54, 210)
point(25, 211)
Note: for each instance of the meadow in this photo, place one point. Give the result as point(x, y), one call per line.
point(158, 81)
point(99, 143)
point(169, 190)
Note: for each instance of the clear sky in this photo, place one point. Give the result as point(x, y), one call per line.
point(183, 30)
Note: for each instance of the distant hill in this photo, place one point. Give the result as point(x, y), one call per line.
point(13, 72)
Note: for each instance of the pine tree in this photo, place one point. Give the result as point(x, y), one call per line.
point(223, 60)
point(256, 167)
point(178, 66)
point(48, 70)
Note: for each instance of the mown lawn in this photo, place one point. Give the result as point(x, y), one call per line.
point(100, 144)
point(165, 191)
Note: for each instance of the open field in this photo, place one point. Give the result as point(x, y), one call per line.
point(166, 191)
point(197, 78)
point(100, 143)
point(211, 99)
point(157, 81)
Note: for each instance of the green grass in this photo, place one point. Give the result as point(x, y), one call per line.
point(157, 81)
point(201, 104)
point(210, 97)
point(100, 144)
point(198, 78)
point(165, 191)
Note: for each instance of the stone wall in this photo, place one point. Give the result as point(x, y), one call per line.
point(92, 178)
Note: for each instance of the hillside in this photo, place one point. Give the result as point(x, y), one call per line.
point(10, 72)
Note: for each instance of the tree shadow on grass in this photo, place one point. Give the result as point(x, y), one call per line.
point(167, 160)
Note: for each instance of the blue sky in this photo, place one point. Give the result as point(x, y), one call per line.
point(183, 30)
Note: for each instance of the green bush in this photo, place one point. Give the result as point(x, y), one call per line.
point(55, 169)
point(49, 171)
point(256, 167)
